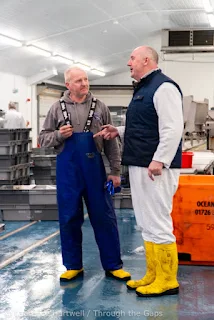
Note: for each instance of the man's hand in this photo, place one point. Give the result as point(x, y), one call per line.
point(155, 169)
point(108, 132)
point(66, 131)
point(115, 179)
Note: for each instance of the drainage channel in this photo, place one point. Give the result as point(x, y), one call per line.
point(30, 248)
point(17, 230)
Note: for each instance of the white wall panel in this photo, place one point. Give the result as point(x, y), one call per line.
point(10, 82)
point(114, 97)
point(194, 77)
point(45, 101)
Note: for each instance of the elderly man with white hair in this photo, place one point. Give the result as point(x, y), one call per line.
point(13, 118)
point(69, 127)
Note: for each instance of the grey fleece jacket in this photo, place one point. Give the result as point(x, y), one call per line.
point(78, 113)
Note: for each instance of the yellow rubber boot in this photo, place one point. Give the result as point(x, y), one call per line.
point(166, 259)
point(119, 274)
point(70, 275)
point(150, 269)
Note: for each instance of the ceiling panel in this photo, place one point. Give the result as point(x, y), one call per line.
point(177, 4)
point(101, 33)
point(77, 45)
point(118, 8)
point(46, 19)
point(77, 14)
point(10, 8)
point(39, 26)
point(111, 35)
point(139, 25)
point(189, 20)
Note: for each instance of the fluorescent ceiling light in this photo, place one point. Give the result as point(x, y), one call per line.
point(98, 72)
point(63, 59)
point(82, 66)
point(211, 19)
point(10, 41)
point(207, 6)
point(39, 51)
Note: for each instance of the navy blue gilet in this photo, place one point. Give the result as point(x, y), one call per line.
point(141, 133)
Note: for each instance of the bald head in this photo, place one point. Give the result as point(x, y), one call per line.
point(12, 105)
point(142, 60)
point(149, 52)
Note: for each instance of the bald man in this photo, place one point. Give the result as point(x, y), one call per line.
point(69, 128)
point(152, 151)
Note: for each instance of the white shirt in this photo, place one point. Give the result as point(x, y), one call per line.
point(168, 105)
point(14, 120)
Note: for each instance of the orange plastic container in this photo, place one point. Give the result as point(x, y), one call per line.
point(193, 219)
point(186, 159)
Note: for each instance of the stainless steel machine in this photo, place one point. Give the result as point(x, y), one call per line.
point(2, 120)
point(195, 117)
point(210, 130)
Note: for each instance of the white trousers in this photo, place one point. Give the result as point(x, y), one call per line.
point(152, 202)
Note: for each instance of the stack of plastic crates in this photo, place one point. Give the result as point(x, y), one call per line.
point(28, 202)
point(15, 156)
point(44, 166)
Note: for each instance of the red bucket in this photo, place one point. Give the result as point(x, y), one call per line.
point(187, 159)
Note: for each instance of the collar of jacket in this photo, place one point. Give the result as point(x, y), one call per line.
point(146, 79)
point(67, 98)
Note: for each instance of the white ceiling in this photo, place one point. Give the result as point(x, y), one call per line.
point(100, 33)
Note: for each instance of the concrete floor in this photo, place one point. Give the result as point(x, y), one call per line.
point(30, 287)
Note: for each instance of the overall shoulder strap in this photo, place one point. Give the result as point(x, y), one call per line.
point(90, 115)
point(64, 111)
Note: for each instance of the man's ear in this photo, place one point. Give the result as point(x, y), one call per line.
point(67, 85)
point(146, 61)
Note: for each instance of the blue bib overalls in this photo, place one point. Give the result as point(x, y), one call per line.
point(81, 174)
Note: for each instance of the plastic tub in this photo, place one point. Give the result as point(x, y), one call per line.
point(187, 159)
point(193, 219)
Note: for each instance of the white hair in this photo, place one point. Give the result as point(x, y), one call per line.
point(12, 105)
point(67, 73)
